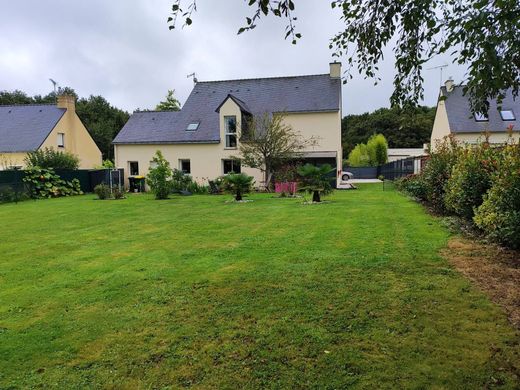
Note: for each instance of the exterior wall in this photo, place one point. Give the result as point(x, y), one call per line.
point(494, 138)
point(441, 126)
point(8, 160)
point(206, 159)
point(77, 139)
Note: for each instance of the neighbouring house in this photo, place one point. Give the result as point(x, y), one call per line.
point(454, 117)
point(203, 137)
point(395, 154)
point(30, 127)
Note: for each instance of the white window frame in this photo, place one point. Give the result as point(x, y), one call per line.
point(228, 134)
point(130, 168)
point(233, 162)
point(61, 137)
point(181, 161)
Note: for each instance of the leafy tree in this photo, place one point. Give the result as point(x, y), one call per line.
point(170, 104)
point(402, 128)
point(159, 177)
point(49, 158)
point(315, 180)
point(267, 143)
point(377, 149)
point(238, 184)
point(480, 34)
point(359, 156)
point(102, 119)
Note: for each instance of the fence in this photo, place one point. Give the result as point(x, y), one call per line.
point(390, 171)
point(13, 180)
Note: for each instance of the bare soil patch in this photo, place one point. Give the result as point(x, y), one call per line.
point(493, 269)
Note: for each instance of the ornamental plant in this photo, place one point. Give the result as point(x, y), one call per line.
point(50, 158)
point(315, 180)
point(499, 214)
point(471, 178)
point(160, 177)
point(238, 184)
point(44, 183)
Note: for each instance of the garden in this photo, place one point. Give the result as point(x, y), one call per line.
point(192, 291)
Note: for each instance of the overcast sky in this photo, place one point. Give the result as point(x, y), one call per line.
point(127, 54)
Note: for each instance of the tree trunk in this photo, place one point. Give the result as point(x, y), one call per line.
point(316, 196)
point(238, 196)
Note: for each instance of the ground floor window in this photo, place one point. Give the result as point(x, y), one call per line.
point(185, 166)
point(229, 166)
point(133, 168)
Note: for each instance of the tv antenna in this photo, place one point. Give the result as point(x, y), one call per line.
point(440, 67)
point(194, 77)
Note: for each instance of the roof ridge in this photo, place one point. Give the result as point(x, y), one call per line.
point(154, 111)
point(262, 78)
point(28, 104)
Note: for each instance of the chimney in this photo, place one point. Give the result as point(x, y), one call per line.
point(335, 70)
point(449, 84)
point(68, 102)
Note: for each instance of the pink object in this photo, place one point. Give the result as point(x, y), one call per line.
point(288, 187)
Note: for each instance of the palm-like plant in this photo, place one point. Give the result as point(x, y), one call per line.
point(238, 184)
point(315, 180)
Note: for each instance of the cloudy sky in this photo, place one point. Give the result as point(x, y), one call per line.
point(124, 51)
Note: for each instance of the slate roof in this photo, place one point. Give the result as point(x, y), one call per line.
point(23, 128)
point(461, 119)
point(256, 96)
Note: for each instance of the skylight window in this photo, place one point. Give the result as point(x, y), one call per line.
point(193, 126)
point(481, 117)
point(507, 115)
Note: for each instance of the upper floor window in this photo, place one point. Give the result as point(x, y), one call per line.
point(192, 126)
point(61, 140)
point(507, 115)
point(230, 129)
point(479, 117)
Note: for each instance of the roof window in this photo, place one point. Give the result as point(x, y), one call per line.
point(479, 117)
point(507, 115)
point(193, 126)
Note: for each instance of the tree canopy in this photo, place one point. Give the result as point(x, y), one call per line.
point(401, 128)
point(102, 119)
point(170, 103)
point(481, 34)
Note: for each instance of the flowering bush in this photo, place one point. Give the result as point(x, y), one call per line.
point(499, 214)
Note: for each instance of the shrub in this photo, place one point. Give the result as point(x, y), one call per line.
point(359, 156)
point(470, 179)
point(117, 192)
point(315, 180)
point(437, 171)
point(50, 158)
point(238, 184)
point(499, 214)
point(373, 153)
point(8, 195)
point(413, 185)
point(102, 191)
point(44, 183)
point(160, 177)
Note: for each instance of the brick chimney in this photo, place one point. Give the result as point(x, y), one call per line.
point(335, 70)
point(449, 84)
point(68, 102)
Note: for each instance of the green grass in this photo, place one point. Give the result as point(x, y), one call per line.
point(194, 291)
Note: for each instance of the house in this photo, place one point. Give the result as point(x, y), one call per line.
point(454, 117)
point(395, 154)
point(27, 128)
point(203, 137)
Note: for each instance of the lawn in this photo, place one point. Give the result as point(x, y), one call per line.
point(194, 291)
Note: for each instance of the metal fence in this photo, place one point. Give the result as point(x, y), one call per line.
point(12, 180)
point(390, 171)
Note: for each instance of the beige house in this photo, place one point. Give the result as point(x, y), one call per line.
point(454, 117)
point(27, 128)
point(203, 137)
